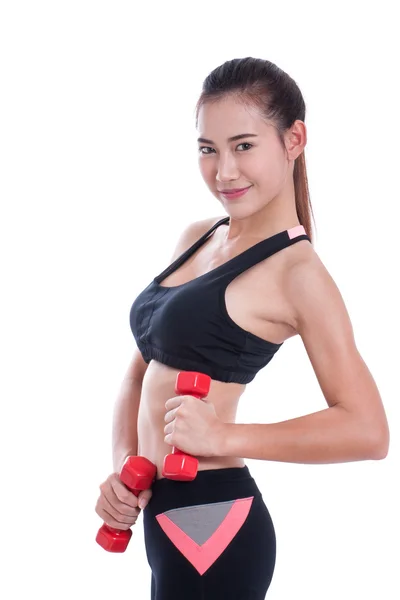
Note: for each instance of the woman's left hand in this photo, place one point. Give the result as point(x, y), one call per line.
point(193, 425)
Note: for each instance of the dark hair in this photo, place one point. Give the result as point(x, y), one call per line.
point(276, 95)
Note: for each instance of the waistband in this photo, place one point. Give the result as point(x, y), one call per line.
point(210, 485)
point(206, 476)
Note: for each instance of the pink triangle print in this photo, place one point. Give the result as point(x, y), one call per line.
point(204, 555)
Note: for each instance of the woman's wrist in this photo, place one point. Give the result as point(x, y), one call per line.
point(222, 440)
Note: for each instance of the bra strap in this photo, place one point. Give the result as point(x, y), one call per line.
point(187, 253)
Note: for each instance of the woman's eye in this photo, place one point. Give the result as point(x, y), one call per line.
point(246, 144)
point(204, 148)
point(209, 148)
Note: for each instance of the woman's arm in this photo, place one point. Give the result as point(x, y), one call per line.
point(354, 427)
point(124, 429)
point(126, 408)
point(329, 436)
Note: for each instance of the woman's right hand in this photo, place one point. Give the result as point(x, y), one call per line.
point(117, 505)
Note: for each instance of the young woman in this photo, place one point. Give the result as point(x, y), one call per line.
point(237, 288)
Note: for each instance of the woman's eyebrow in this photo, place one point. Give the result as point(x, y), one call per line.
point(231, 139)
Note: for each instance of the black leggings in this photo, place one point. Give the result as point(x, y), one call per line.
point(209, 539)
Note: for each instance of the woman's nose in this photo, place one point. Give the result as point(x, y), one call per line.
point(227, 171)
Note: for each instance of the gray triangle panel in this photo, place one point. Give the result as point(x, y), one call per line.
point(199, 522)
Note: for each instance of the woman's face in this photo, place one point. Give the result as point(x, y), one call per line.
point(259, 162)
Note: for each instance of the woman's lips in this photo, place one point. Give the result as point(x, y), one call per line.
point(232, 195)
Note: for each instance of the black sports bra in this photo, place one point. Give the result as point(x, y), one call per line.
point(188, 327)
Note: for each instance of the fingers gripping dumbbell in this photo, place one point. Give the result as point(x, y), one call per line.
point(178, 465)
point(137, 474)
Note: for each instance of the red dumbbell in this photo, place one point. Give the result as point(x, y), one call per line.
point(137, 474)
point(178, 465)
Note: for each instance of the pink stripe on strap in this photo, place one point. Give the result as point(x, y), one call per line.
point(295, 231)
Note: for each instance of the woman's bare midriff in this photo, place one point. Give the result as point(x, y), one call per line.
point(158, 386)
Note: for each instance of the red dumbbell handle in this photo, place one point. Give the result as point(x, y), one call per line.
point(195, 384)
point(113, 529)
point(176, 450)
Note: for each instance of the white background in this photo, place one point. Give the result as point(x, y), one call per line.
point(99, 175)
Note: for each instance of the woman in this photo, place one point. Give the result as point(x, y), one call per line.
point(237, 288)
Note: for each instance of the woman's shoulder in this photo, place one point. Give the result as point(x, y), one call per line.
point(192, 232)
point(306, 279)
